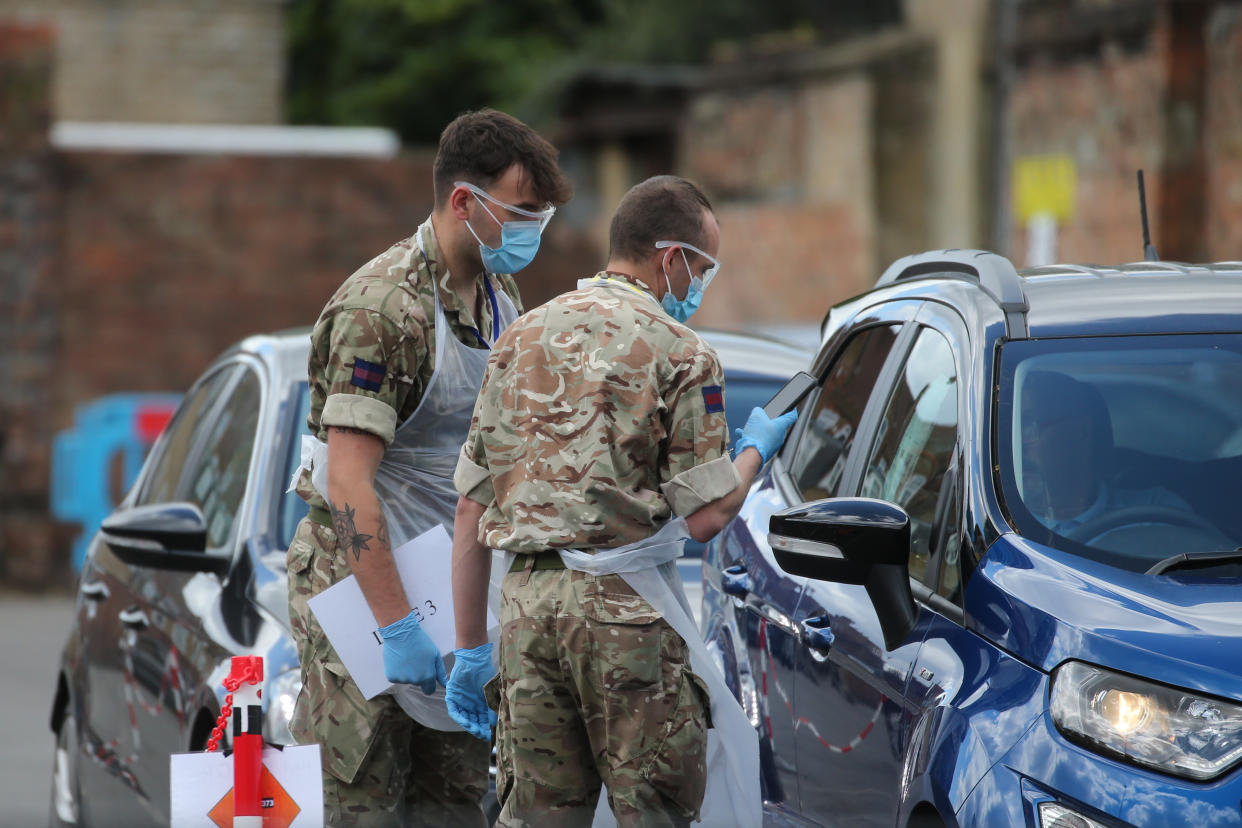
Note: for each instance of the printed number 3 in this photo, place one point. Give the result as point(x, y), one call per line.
point(418, 614)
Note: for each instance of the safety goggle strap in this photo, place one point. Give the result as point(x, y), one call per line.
point(542, 216)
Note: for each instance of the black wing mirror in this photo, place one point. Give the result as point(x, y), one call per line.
point(163, 536)
point(852, 540)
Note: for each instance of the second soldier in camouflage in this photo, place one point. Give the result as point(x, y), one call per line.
point(600, 418)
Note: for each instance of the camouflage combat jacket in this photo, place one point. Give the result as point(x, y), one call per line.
point(599, 417)
point(373, 347)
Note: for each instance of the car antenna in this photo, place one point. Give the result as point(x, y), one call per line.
point(1149, 250)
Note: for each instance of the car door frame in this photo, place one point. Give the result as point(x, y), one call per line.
point(899, 311)
point(174, 630)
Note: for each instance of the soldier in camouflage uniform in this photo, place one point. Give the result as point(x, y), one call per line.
point(601, 416)
point(372, 362)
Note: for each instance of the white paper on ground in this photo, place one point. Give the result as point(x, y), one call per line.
point(424, 565)
point(199, 781)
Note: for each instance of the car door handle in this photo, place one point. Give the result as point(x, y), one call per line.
point(95, 591)
point(817, 633)
point(735, 581)
point(134, 618)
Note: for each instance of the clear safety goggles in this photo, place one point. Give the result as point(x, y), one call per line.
point(542, 216)
point(708, 274)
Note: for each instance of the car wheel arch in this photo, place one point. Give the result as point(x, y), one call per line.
point(200, 731)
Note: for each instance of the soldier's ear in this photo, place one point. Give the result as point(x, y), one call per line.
point(459, 203)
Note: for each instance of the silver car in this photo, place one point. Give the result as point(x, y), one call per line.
point(189, 570)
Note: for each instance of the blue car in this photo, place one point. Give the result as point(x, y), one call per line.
point(994, 577)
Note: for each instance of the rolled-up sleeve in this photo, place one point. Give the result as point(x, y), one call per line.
point(364, 413)
point(369, 360)
point(696, 487)
point(472, 480)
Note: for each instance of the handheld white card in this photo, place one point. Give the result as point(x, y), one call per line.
point(424, 565)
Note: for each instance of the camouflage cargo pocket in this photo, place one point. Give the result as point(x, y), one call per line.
point(677, 767)
point(638, 661)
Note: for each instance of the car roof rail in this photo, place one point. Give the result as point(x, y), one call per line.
point(994, 274)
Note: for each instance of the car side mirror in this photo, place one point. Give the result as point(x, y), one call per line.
point(162, 536)
point(852, 540)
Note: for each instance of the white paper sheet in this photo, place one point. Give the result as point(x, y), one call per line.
point(292, 789)
point(424, 565)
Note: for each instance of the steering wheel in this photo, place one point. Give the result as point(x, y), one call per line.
point(1137, 515)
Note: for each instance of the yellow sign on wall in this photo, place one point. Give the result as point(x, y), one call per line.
point(1044, 184)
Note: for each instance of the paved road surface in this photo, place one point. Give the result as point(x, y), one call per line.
point(32, 631)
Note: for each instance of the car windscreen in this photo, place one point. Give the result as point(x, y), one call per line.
point(1125, 450)
point(292, 507)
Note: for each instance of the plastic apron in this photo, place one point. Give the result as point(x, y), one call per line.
point(414, 481)
point(733, 797)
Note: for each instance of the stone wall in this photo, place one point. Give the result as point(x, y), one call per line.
point(189, 61)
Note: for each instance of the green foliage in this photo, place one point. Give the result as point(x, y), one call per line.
point(413, 65)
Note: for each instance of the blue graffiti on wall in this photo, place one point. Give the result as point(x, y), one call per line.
point(109, 434)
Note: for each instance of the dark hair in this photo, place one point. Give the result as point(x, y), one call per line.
point(664, 207)
point(480, 146)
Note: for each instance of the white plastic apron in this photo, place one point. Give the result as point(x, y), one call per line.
point(414, 481)
point(733, 797)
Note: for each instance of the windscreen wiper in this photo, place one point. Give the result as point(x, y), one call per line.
point(1194, 560)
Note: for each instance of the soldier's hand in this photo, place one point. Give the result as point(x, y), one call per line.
point(410, 656)
point(472, 668)
point(763, 433)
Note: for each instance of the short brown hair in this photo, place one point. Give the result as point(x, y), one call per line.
point(664, 207)
point(480, 146)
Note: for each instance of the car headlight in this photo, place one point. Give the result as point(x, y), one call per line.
point(282, 694)
point(1171, 730)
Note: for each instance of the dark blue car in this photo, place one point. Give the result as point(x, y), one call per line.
point(994, 578)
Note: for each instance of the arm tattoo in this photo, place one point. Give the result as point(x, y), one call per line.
point(347, 534)
point(381, 534)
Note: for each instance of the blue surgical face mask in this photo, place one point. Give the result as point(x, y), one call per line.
point(519, 240)
point(683, 309)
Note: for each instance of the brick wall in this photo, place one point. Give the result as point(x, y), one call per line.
point(1164, 98)
point(1223, 127)
point(189, 61)
point(29, 224)
point(815, 173)
point(131, 272)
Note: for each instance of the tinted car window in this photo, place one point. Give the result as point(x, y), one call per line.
point(1123, 449)
point(915, 441)
point(819, 461)
point(217, 479)
point(160, 484)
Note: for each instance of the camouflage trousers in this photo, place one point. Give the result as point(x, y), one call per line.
point(380, 767)
point(594, 686)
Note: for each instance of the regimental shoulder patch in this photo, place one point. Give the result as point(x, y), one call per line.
point(713, 398)
point(367, 375)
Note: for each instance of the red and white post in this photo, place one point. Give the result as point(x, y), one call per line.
point(247, 743)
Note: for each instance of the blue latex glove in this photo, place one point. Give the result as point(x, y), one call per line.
point(410, 656)
point(464, 694)
point(764, 433)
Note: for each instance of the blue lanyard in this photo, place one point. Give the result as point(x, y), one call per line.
point(491, 295)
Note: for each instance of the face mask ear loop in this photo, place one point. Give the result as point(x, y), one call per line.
point(689, 273)
point(664, 267)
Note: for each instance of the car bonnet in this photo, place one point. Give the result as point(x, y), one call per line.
point(1046, 606)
